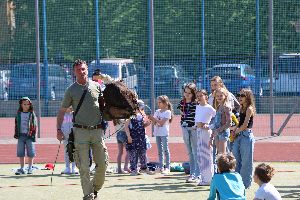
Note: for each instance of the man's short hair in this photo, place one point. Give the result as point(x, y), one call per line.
point(78, 62)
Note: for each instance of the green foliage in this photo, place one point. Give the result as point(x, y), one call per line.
point(230, 28)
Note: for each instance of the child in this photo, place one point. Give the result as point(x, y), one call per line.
point(216, 82)
point(262, 175)
point(25, 132)
point(121, 140)
point(227, 183)
point(148, 146)
point(161, 120)
point(136, 141)
point(187, 107)
point(66, 129)
point(243, 146)
point(204, 114)
point(222, 121)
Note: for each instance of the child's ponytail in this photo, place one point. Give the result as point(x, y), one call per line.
point(170, 107)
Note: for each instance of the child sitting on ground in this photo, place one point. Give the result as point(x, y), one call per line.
point(262, 176)
point(227, 183)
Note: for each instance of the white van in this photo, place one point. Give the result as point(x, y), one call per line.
point(287, 74)
point(118, 69)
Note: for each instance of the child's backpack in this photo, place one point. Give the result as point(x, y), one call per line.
point(119, 101)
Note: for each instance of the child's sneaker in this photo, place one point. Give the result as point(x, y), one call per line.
point(29, 170)
point(166, 171)
point(66, 171)
point(202, 183)
point(74, 171)
point(146, 171)
point(159, 170)
point(191, 179)
point(20, 171)
point(122, 172)
point(127, 170)
point(134, 173)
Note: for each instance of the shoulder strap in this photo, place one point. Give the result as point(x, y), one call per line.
point(79, 104)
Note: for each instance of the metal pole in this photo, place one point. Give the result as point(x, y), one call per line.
point(46, 74)
point(203, 55)
point(270, 50)
point(257, 58)
point(151, 54)
point(97, 34)
point(37, 48)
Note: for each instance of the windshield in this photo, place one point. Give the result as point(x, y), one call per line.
point(165, 72)
point(225, 72)
point(288, 65)
point(110, 69)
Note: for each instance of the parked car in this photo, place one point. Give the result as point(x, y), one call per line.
point(4, 83)
point(287, 74)
point(23, 81)
point(265, 85)
point(234, 76)
point(166, 82)
point(118, 69)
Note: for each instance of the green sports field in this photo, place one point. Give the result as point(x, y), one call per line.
point(126, 187)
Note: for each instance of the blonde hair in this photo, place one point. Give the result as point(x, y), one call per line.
point(165, 100)
point(219, 80)
point(225, 92)
point(250, 100)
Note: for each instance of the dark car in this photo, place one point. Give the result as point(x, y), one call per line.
point(234, 76)
point(166, 82)
point(23, 81)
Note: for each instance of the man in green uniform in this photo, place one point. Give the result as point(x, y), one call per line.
point(88, 132)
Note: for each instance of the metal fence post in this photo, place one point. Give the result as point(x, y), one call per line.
point(97, 34)
point(203, 56)
point(257, 58)
point(151, 55)
point(46, 92)
point(270, 50)
point(37, 48)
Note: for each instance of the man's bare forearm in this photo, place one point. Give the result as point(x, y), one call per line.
point(60, 117)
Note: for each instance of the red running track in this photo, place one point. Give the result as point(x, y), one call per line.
point(261, 126)
point(264, 151)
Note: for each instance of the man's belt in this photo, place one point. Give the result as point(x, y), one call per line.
point(88, 127)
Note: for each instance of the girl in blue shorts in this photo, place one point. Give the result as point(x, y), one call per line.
point(222, 121)
point(25, 131)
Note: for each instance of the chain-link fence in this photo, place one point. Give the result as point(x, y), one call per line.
point(193, 41)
